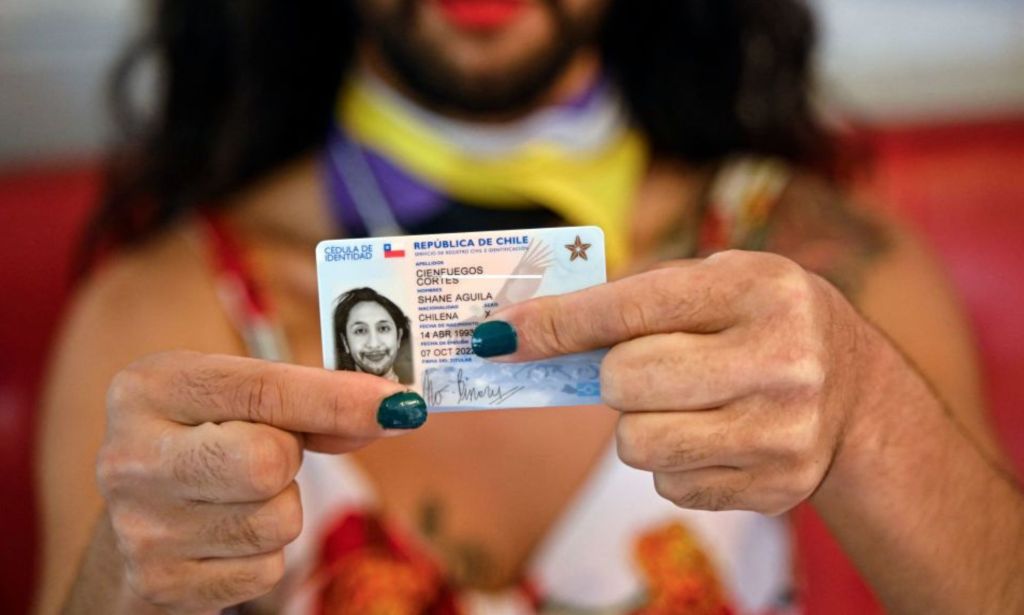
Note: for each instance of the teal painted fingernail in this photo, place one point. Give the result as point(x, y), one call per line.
point(494, 339)
point(402, 411)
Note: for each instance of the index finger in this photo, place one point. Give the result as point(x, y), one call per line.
point(193, 388)
point(688, 296)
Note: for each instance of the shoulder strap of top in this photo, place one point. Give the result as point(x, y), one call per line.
point(245, 304)
point(741, 198)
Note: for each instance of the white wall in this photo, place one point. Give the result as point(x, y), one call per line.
point(54, 56)
point(885, 60)
point(923, 60)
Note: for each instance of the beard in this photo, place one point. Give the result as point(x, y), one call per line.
point(439, 84)
point(376, 363)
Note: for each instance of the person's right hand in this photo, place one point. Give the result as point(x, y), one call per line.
point(199, 462)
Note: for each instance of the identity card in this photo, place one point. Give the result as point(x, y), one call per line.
point(404, 308)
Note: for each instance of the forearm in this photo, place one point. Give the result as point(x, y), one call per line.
point(930, 523)
point(101, 585)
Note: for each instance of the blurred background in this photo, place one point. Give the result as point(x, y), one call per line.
point(932, 89)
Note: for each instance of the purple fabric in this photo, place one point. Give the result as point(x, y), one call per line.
point(411, 199)
point(339, 199)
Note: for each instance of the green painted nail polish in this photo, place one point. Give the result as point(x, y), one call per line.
point(402, 411)
point(494, 339)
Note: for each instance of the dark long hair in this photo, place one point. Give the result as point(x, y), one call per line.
point(352, 298)
point(245, 87)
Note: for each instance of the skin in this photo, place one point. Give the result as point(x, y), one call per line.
point(372, 339)
point(184, 410)
point(745, 383)
point(217, 468)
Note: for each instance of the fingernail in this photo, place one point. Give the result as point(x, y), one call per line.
point(405, 410)
point(494, 339)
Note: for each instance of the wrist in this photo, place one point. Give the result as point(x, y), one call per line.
point(887, 405)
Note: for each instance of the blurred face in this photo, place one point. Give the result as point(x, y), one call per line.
point(478, 56)
point(372, 338)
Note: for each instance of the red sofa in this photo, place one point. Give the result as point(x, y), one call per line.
point(962, 186)
point(41, 212)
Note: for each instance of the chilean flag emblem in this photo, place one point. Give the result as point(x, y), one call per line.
point(390, 252)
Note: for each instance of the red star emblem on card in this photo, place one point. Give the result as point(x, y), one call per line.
point(578, 249)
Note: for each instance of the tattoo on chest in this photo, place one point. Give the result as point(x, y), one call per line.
point(809, 220)
point(822, 230)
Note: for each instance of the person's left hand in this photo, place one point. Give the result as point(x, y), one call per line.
point(736, 376)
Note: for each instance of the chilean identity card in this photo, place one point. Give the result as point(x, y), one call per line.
point(404, 308)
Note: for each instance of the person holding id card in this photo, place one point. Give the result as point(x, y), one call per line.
point(341, 218)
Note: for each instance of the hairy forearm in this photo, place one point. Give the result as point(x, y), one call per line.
point(101, 585)
point(933, 526)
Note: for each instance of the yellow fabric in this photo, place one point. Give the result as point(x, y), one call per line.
point(591, 188)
